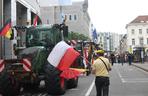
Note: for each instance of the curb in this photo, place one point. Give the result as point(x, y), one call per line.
point(140, 67)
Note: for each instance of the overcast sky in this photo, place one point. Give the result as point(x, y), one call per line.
point(113, 15)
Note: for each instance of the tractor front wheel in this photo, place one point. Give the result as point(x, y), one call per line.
point(72, 83)
point(54, 84)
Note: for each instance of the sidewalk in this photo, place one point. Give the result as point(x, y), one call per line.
point(143, 66)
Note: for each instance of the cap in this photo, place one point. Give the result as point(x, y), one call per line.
point(99, 51)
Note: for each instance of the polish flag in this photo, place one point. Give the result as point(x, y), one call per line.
point(62, 56)
point(35, 21)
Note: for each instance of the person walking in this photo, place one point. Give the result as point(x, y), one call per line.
point(122, 58)
point(130, 59)
point(100, 69)
point(112, 58)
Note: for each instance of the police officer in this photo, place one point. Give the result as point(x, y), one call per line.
point(100, 69)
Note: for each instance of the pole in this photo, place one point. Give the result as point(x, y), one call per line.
point(54, 12)
point(1, 38)
point(61, 21)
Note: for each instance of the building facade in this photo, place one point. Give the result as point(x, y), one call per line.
point(76, 15)
point(137, 37)
point(108, 41)
point(137, 32)
point(22, 13)
point(123, 44)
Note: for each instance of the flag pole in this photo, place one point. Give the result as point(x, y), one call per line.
point(1, 38)
point(54, 11)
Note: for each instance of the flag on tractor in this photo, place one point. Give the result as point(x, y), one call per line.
point(62, 56)
point(95, 36)
point(6, 30)
point(35, 21)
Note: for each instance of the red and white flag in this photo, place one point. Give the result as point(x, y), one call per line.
point(62, 56)
point(35, 21)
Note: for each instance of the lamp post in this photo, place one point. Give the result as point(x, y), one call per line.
point(108, 44)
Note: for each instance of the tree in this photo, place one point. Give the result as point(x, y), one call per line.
point(77, 36)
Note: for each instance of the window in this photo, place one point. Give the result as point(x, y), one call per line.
point(147, 31)
point(141, 41)
point(133, 41)
point(75, 17)
point(140, 31)
point(70, 17)
point(133, 31)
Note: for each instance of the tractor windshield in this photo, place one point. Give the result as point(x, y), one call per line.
point(42, 36)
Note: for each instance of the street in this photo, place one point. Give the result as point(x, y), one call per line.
point(124, 81)
point(128, 81)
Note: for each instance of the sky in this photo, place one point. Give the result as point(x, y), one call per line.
point(113, 15)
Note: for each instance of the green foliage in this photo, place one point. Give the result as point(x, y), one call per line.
point(77, 36)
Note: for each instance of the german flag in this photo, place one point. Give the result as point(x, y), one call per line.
point(6, 30)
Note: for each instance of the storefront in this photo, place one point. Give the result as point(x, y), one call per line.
point(139, 54)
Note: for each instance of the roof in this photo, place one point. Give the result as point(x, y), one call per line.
point(141, 19)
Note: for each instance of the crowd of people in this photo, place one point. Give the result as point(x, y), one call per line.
point(121, 58)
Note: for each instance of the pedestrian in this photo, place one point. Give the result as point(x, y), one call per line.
point(129, 58)
point(112, 58)
point(100, 69)
point(122, 58)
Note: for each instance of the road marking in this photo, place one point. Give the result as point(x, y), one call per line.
point(90, 88)
point(75, 89)
point(131, 80)
point(118, 72)
point(135, 80)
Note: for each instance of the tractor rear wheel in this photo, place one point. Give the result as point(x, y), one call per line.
point(9, 86)
point(29, 85)
point(54, 84)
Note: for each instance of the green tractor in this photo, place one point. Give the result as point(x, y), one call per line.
point(31, 65)
point(86, 49)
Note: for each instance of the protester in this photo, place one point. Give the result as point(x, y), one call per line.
point(129, 58)
point(100, 69)
point(122, 58)
point(112, 58)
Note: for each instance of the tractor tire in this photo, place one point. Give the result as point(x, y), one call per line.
point(72, 83)
point(53, 81)
point(9, 86)
point(28, 86)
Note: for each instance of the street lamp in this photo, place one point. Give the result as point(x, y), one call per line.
point(108, 44)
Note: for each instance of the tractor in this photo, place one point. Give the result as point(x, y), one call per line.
point(31, 65)
point(86, 49)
